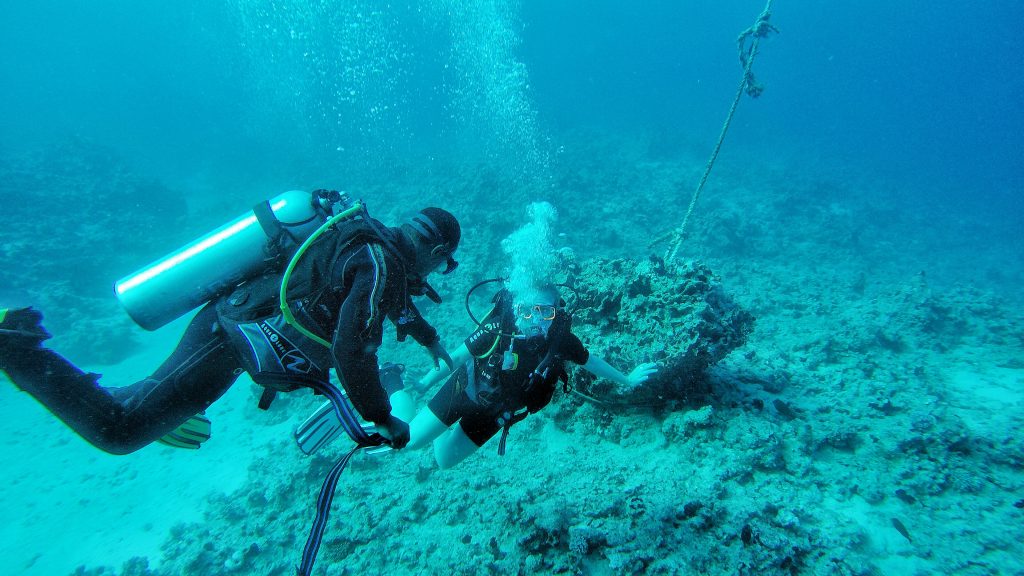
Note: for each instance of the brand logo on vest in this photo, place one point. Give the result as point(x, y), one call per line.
point(295, 361)
point(291, 358)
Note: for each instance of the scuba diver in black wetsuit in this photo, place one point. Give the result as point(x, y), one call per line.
point(352, 274)
point(507, 369)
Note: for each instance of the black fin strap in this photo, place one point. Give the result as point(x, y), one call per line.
point(346, 415)
point(504, 436)
point(266, 398)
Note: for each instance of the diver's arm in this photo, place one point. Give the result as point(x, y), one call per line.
point(409, 322)
point(357, 337)
point(459, 358)
point(598, 367)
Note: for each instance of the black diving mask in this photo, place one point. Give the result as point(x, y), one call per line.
point(449, 260)
point(450, 265)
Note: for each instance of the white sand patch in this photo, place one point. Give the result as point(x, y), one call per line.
point(987, 397)
point(69, 504)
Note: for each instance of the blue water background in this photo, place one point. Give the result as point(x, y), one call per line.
point(927, 93)
point(913, 104)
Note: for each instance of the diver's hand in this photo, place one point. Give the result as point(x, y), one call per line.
point(437, 352)
point(641, 373)
point(395, 430)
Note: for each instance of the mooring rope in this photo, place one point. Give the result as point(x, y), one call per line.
point(759, 30)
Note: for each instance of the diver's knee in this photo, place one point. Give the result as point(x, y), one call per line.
point(116, 442)
point(449, 459)
point(116, 447)
point(452, 448)
point(425, 428)
point(402, 406)
point(444, 462)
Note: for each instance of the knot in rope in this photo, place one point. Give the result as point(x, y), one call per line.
point(760, 29)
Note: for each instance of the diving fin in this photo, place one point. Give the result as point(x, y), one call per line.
point(318, 430)
point(323, 425)
point(189, 435)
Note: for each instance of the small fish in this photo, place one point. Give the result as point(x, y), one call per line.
point(905, 496)
point(901, 529)
point(785, 410)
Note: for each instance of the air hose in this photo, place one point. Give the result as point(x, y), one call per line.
point(286, 311)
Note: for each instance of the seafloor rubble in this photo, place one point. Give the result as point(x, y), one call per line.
point(866, 427)
point(575, 505)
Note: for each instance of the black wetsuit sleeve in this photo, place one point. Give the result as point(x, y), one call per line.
point(409, 322)
point(359, 331)
point(574, 351)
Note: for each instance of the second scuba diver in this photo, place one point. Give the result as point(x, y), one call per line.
point(505, 370)
point(508, 368)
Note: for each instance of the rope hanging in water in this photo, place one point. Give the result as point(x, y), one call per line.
point(759, 30)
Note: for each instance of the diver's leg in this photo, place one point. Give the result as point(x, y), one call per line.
point(402, 406)
point(393, 381)
point(70, 394)
point(199, 371)
point(448, 405)
point(67, 392)
point(453, 447)
point(424, 428)
point(122, 420)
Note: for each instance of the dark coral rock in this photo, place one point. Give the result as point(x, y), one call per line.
point(644, 311)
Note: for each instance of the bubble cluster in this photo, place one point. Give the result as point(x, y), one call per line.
point(533, 260)
point(365, 81)
point(489, 99)
point(326, 74)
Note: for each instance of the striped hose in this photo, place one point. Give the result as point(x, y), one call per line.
point(350, 422)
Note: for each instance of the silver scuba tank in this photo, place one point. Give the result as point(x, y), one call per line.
point(192, 275)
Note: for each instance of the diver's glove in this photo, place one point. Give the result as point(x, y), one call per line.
point(437, 353)
point(21, 327)
point(395, 430)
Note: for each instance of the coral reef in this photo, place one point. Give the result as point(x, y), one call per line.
point(867, 426)
point(644, 311)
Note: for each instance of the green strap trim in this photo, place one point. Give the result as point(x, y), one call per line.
point(3, 314)
point(497, 340)
point(285, 309)
point(175, 441)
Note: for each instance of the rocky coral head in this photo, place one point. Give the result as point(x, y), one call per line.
point(643, 311)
